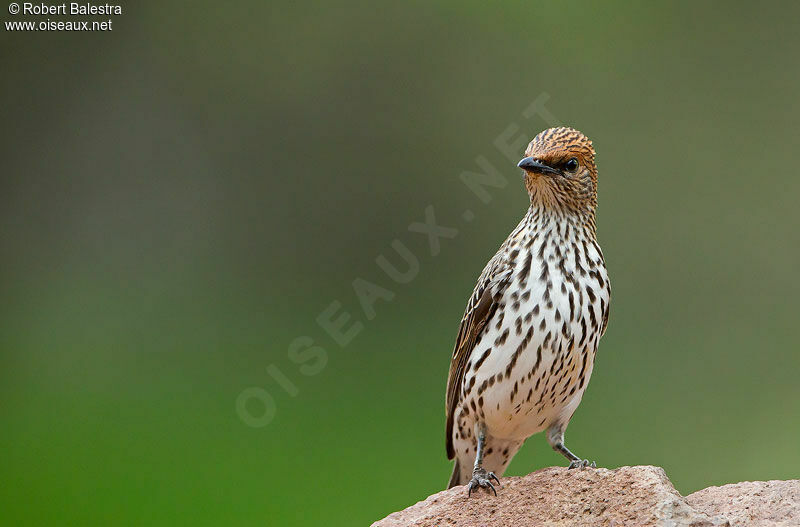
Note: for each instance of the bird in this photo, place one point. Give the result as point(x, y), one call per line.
point(526, 344)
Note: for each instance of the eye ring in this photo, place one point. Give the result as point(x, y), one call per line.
point(571, 165)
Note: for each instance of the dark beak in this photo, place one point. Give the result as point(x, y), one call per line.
point(529, 164)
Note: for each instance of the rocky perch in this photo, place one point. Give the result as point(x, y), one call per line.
point(627, 496)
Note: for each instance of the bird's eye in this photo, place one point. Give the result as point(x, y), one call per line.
point(571, 165)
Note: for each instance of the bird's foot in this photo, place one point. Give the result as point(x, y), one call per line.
point(582, 463)
point(481, 478)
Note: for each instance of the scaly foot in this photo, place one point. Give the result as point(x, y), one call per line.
point(481, 478)
point(582, 463)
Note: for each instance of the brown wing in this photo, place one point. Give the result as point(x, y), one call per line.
point(606, 312)
point(480, 309)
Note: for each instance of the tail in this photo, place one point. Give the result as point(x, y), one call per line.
point(455, 479)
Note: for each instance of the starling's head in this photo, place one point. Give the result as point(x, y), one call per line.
point(560, 171)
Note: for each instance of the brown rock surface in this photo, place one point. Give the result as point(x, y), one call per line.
point(752, 503)
point(627, 496)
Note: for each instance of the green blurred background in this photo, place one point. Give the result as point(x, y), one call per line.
point(183, 196)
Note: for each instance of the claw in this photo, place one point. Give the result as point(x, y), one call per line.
point(582, 463)
point(481, 478)
point(491, 486)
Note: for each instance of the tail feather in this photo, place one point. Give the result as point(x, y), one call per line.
point(455, 478)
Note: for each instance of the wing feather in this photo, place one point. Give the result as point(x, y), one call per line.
point(480, 310)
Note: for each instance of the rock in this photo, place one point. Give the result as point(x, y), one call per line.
point(556, 496)
point(752, 503)
point(627, 496)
